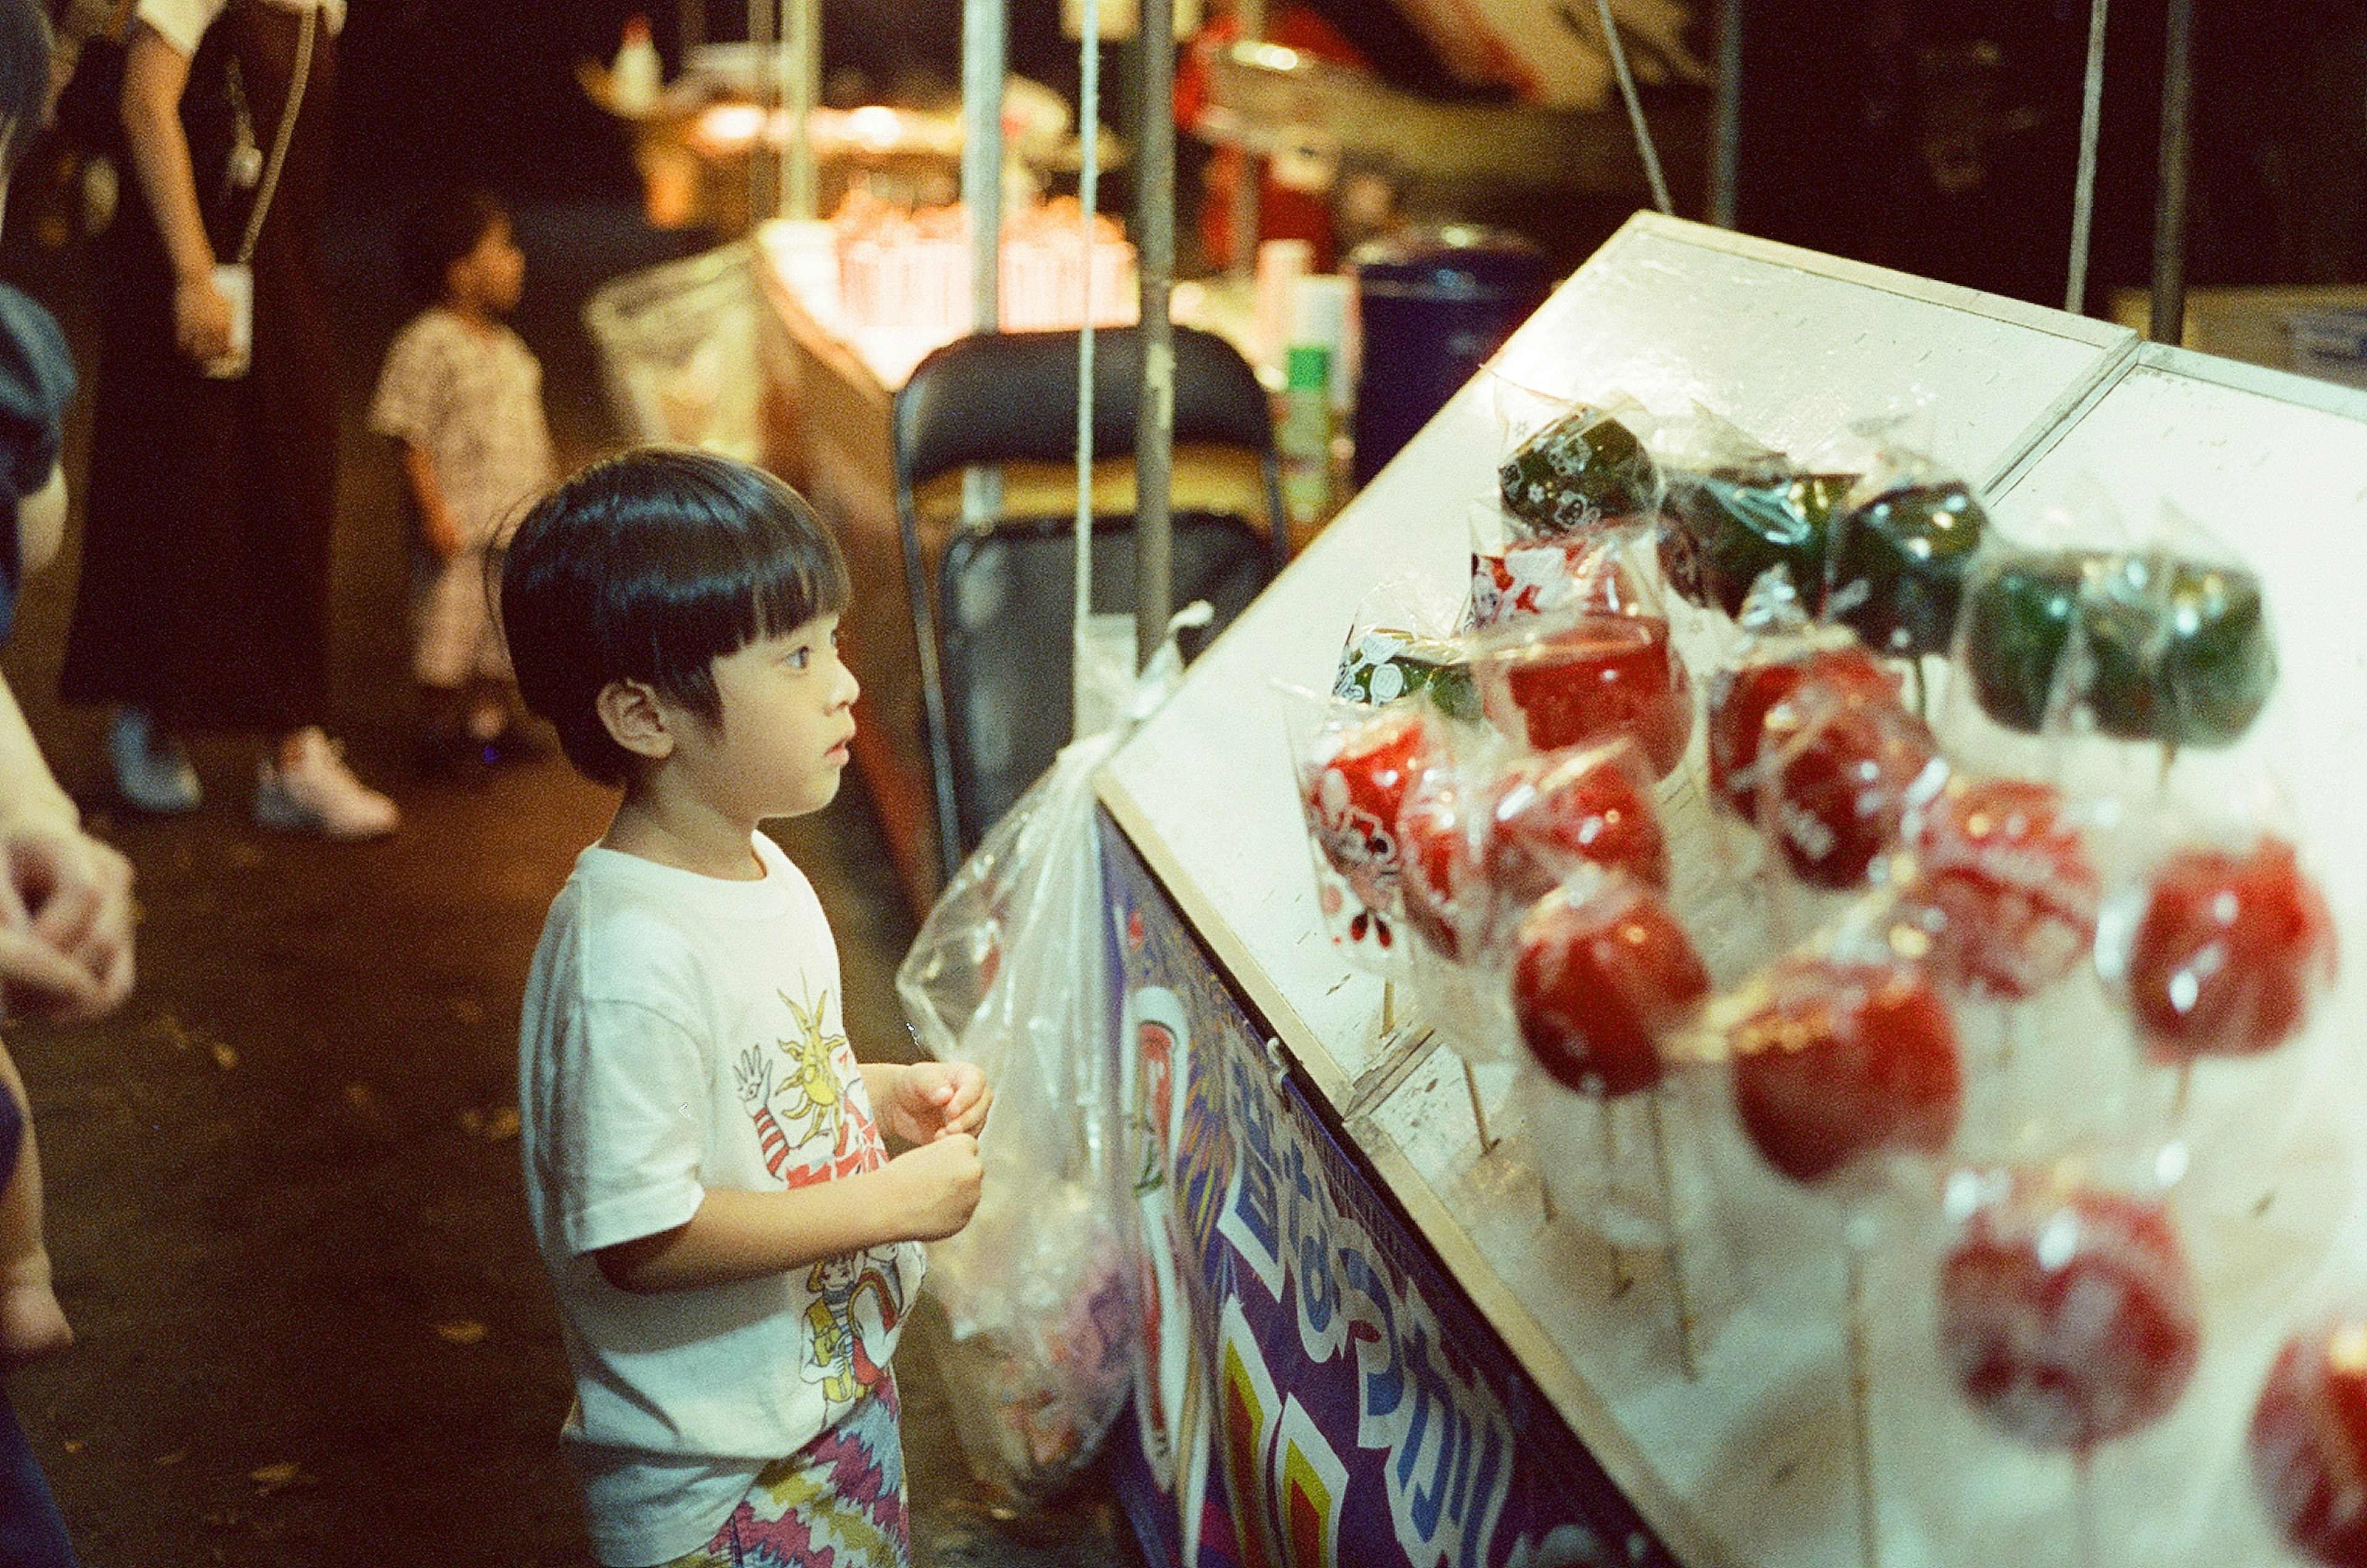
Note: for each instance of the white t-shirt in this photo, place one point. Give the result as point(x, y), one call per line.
point(183, 22)
point(680, 1033)
point(474, 400)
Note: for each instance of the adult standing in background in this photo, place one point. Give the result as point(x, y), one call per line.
point(205, 569)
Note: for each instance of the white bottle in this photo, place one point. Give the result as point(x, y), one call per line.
point(633, 80)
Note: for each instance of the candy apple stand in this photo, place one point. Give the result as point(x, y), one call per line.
point(1895, 1181)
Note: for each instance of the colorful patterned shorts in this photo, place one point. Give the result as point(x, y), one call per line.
point(836, 1502)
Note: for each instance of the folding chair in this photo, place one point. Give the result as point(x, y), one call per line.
point(994, 619)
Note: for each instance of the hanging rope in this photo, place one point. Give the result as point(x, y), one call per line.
point(1634, 109)
point(1089, 111)
point(2083, 193)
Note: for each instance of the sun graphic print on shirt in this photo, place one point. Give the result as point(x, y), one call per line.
point(810, 1120)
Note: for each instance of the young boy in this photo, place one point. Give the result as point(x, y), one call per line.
point(732, 1249)
point(462, 395)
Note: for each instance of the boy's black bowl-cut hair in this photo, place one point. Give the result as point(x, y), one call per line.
point(649, 567)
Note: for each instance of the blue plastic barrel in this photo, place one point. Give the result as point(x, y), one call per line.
point(1433, 304)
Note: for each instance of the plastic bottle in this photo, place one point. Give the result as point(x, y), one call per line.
point(1303, 438)
point(633, 80)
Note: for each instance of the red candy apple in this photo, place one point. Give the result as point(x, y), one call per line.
point(1845, 768)
point(1358, 779)
point(2010, 883)
point(1596, 679)
point(1440, 887)
point(2309, 1442)
point(1741, 698)
point(2066, 1314)
point(1844, 1059)
point(1547, 815)
point(1602, 970)
point(1549, 577)
point(2228, 953)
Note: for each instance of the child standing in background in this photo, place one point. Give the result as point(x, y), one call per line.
point(734, 1250)
point(462, 394)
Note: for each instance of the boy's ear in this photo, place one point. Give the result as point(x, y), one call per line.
point(635, 719)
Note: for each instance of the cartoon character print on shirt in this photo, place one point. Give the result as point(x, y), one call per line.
point(811, 1129)
point(839, 1360)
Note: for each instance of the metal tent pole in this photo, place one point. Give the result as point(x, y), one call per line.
point(762, 194)
point(1248, 193)
point(2168, 325)
point(1154, 430)
point(1727, 140)
point(985, 53)
point(2083, 190)
point(801, 90)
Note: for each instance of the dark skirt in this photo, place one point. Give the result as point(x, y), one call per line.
point(205, 554)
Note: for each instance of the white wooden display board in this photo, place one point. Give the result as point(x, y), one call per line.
point(1751, 1462)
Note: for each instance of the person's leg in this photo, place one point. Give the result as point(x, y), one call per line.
point(32, 1534)
point(840, 1499)
point(31, 1322)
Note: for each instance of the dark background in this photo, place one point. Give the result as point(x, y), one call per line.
point(1850, 108)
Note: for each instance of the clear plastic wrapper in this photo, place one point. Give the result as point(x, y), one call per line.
point(1514, 577)
point(1354, 766)
point(1733, 510)
point(1573, 467)
point(1901, 544)
point(2138, 644)
point(2068, 1313)
point(2307, 1441)
point(1400, 644)
point(1600, 970)
point(1843, 1056)
point(2219, 947)
point(1780, 649)
point(1582, 678)
point(1839, 764)
point(2003, 886)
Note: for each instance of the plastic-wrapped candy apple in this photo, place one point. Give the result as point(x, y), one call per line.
point(1588, 680)
point(1722, 530)
point(1443, 892)
point(1583, 469)
point(1600, 972)
point(2228, 953)
point(2013, 894)
point(2169, 650)
point(1575, 574)
point(1356, 777)
point(1547, 815)
point(1900, 552)
point(1841, 770)
point(1843, 1058)
point(1381, 664)
point(2309, 1442)
point(1743, 694)
point(2067, 1312)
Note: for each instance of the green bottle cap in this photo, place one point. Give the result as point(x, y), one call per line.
point(1306, 366)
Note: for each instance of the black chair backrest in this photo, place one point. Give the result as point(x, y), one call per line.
point(1012, 397)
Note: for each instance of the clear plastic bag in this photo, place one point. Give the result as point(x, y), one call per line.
point(1010, 971)
point(678, 351)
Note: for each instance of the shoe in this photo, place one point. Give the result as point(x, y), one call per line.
point(318, 794)
point(152, 771)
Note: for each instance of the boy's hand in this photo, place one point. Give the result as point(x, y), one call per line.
point(937, 1186)
point(936, 1100)
point(66, 915)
